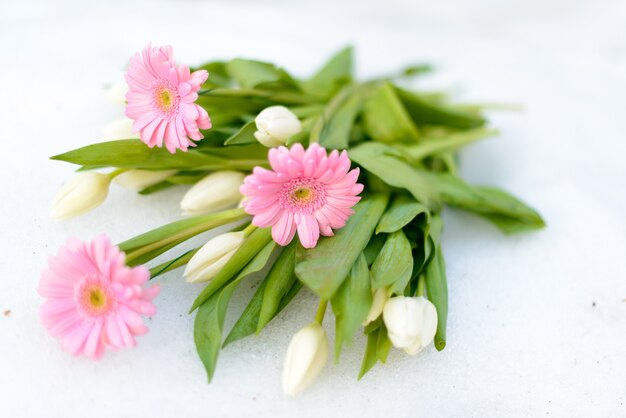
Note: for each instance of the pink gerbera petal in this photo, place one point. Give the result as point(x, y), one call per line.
point(94, 301)
point(160, 94)
point(307, 191)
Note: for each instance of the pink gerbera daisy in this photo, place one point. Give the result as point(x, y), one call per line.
point(161, 100)
point(308, 191)
point(94, 300)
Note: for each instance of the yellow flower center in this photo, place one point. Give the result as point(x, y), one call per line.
point(165, 99)
point(97, 298)
point(302, 194)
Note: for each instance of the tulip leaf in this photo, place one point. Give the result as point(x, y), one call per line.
point(436, 282)
point(253, 74)
point(426, 112)
point(432, 189)
point(244, 136)
point(402, 210)
point(218, 77)
point(132, 153)
point(159, 240)
point(279, 280)
point(247, 324)
point(385, 118)
point(248, 250)
point(394, 264)
point(172, 264)
point(377, 348)
point(351, 303)
point(339, 119)
point(448, 143)
point(209, 321)
point(337, 71)
point(373, 248)
point(324, 268)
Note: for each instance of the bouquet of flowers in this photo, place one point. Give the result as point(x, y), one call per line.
point(329, 185)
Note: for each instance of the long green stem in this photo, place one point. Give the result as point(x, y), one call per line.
point(321, 311)
point(182, 234)
point(420, 286)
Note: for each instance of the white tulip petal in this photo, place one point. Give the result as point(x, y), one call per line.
point(217, 191)
point(306, 357)
point(140, 179)
point(84, 192)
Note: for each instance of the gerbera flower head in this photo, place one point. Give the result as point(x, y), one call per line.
point(161, 100)
point(310, 192)
point(94, 301)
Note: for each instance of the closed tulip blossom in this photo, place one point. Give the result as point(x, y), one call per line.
point(94, 301)
point(308, 191)
point(411, 322)
point(161, 100)
point(379, 299)
point(209, 260)
point(275, 125)
point(306, 357)
point(119, 129)
point(140, 179)
point(217, 191)
point(84, 192)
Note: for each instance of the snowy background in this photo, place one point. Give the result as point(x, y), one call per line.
point(537, 322)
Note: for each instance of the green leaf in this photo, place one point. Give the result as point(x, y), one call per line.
point(394, 264)
point(326, 266)
point(373, 248)
point(279, 281)
point(209, 321)
point(247, 322)
point(370, 358)
point(385, 118)
point(132, 153)
point(244, 136)
point(175, 232)
point(218, 77)
point(432, 146)
point(252, 74)
point(529, 220)
point(172, 264)
point(337, 71)
point(402, 210)
point(248, 250)
point(432, 189)
point(437, 291)
point(425, 112)
point(339, 119)
point(165, 184)
point(378, 345)
point(351, 303)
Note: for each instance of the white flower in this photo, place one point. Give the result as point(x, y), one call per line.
point(209, 260)
point(217, 191)
point(275, 125)
point(119, 129)
point(84, 192)
point(140, 179)
point(411, 322)
point(116, 92)
point(378, 303)
point(306, 357)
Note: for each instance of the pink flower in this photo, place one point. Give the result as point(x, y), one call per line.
point(161, 100)
point(308, 191)
point(94, 301)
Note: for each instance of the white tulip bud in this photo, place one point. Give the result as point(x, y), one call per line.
point(116, 92)
point(119, 129)
point(275, 125)
point(378, 303)
point(84, 192)
point(217, 191)
point(306, 357)
point(209, 260)
point(411, 322)
point(140, 179)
